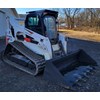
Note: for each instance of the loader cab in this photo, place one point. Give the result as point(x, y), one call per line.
point(43, 22)
point(33, 22)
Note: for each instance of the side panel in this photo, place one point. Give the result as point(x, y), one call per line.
point(64, 41)
point(43, 47)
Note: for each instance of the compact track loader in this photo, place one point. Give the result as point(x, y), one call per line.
point(37, 48)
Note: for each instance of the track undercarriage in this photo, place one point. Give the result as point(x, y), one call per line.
point(66, 71)
point(21, 57)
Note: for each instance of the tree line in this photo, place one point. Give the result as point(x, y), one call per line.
point(86, 19)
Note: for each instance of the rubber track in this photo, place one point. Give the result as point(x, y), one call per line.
point(38, 60)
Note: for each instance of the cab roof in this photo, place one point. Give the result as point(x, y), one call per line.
point(44, 12)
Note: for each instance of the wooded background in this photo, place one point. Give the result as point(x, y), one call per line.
point(83, 19)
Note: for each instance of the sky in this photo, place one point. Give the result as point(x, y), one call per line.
point(24, 10)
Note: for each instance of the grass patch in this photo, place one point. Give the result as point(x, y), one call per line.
point(92, 36)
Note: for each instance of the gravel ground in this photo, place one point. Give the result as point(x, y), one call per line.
point(14, 80)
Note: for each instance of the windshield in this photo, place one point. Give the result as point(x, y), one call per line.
point(50, 24)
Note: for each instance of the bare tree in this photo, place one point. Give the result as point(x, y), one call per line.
point(90, 19)
point(87, 19)
point(70, 14)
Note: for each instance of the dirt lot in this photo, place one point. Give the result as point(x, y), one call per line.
point(12, 79)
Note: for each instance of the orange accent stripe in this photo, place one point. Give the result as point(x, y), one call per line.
point(27, 39)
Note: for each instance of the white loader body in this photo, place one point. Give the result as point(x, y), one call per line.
point(43, 48)
point(37, 47)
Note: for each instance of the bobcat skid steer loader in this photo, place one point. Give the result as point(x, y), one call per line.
point(38, 47)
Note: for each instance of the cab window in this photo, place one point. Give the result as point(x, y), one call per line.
point(33, 21)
